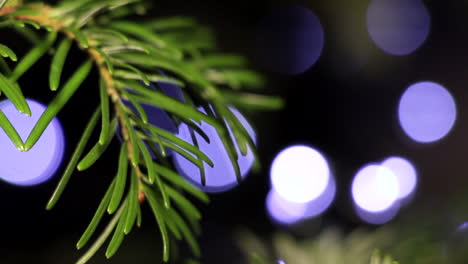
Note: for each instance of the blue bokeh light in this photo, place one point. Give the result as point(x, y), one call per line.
point(39, 163)
point(398, 27)
point(427, 112)
point(406, 174)
point(300, 174)
point(375, 188)
point(289, 39)
point(222, 176)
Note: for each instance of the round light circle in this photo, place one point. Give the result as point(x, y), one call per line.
point(320, 204)
point(39, 163)
point(299, 174)
point(405, 173)
point(157, 116)
point(427, 112)
point(375, 188)
point(283, 211)
point(222, 176)
point(378, 218)
point(289, 39)
point(398, 27)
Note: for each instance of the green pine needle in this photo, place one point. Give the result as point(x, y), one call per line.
point(33, 56)
point(57, 64)
point(73, 161)
point(105, 116)
point(14, 93)
point(7, 53)
point(95, 153)
point(120, 181)
point(58, 103)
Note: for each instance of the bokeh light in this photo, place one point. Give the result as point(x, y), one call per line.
point(39, 163)
point(283, 211)
point(157, 116)
point(398, 27)
point(289, 39)
point(375, 188)
point(287, 212)
point(405, 173)
point(378, 218)
point(222, 176)
point(320, 204)
point(454, 247)
point(299, 174)
point(462, 227)
point(427, 112)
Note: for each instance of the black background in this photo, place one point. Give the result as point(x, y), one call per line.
point(349, 116)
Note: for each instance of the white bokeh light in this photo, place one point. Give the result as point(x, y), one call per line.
point(375, 188)
point(405, 173)
point(39, 163)
point(427, 112)
point(398, 27)
point(299, 174)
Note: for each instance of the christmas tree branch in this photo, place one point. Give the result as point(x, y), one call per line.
point(129, 57)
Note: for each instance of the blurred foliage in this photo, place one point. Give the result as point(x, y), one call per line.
point(330, 247)
point(408, 243)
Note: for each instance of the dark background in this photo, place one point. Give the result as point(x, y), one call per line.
point(350, 115)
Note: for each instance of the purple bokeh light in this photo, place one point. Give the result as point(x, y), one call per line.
point(39, 163)
point(289, 39)
point(427, 112)
point(299, 174)
point(454, 246)
point(375, 188)
point(222, 176)
point(378, 218)
point(320, 204)
point(287, 212)
point(398, 27)
point(283, 211)
point(405, 173)
point(157, 116)
point(462, 227)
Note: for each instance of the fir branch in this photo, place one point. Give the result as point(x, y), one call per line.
point(124, 53)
